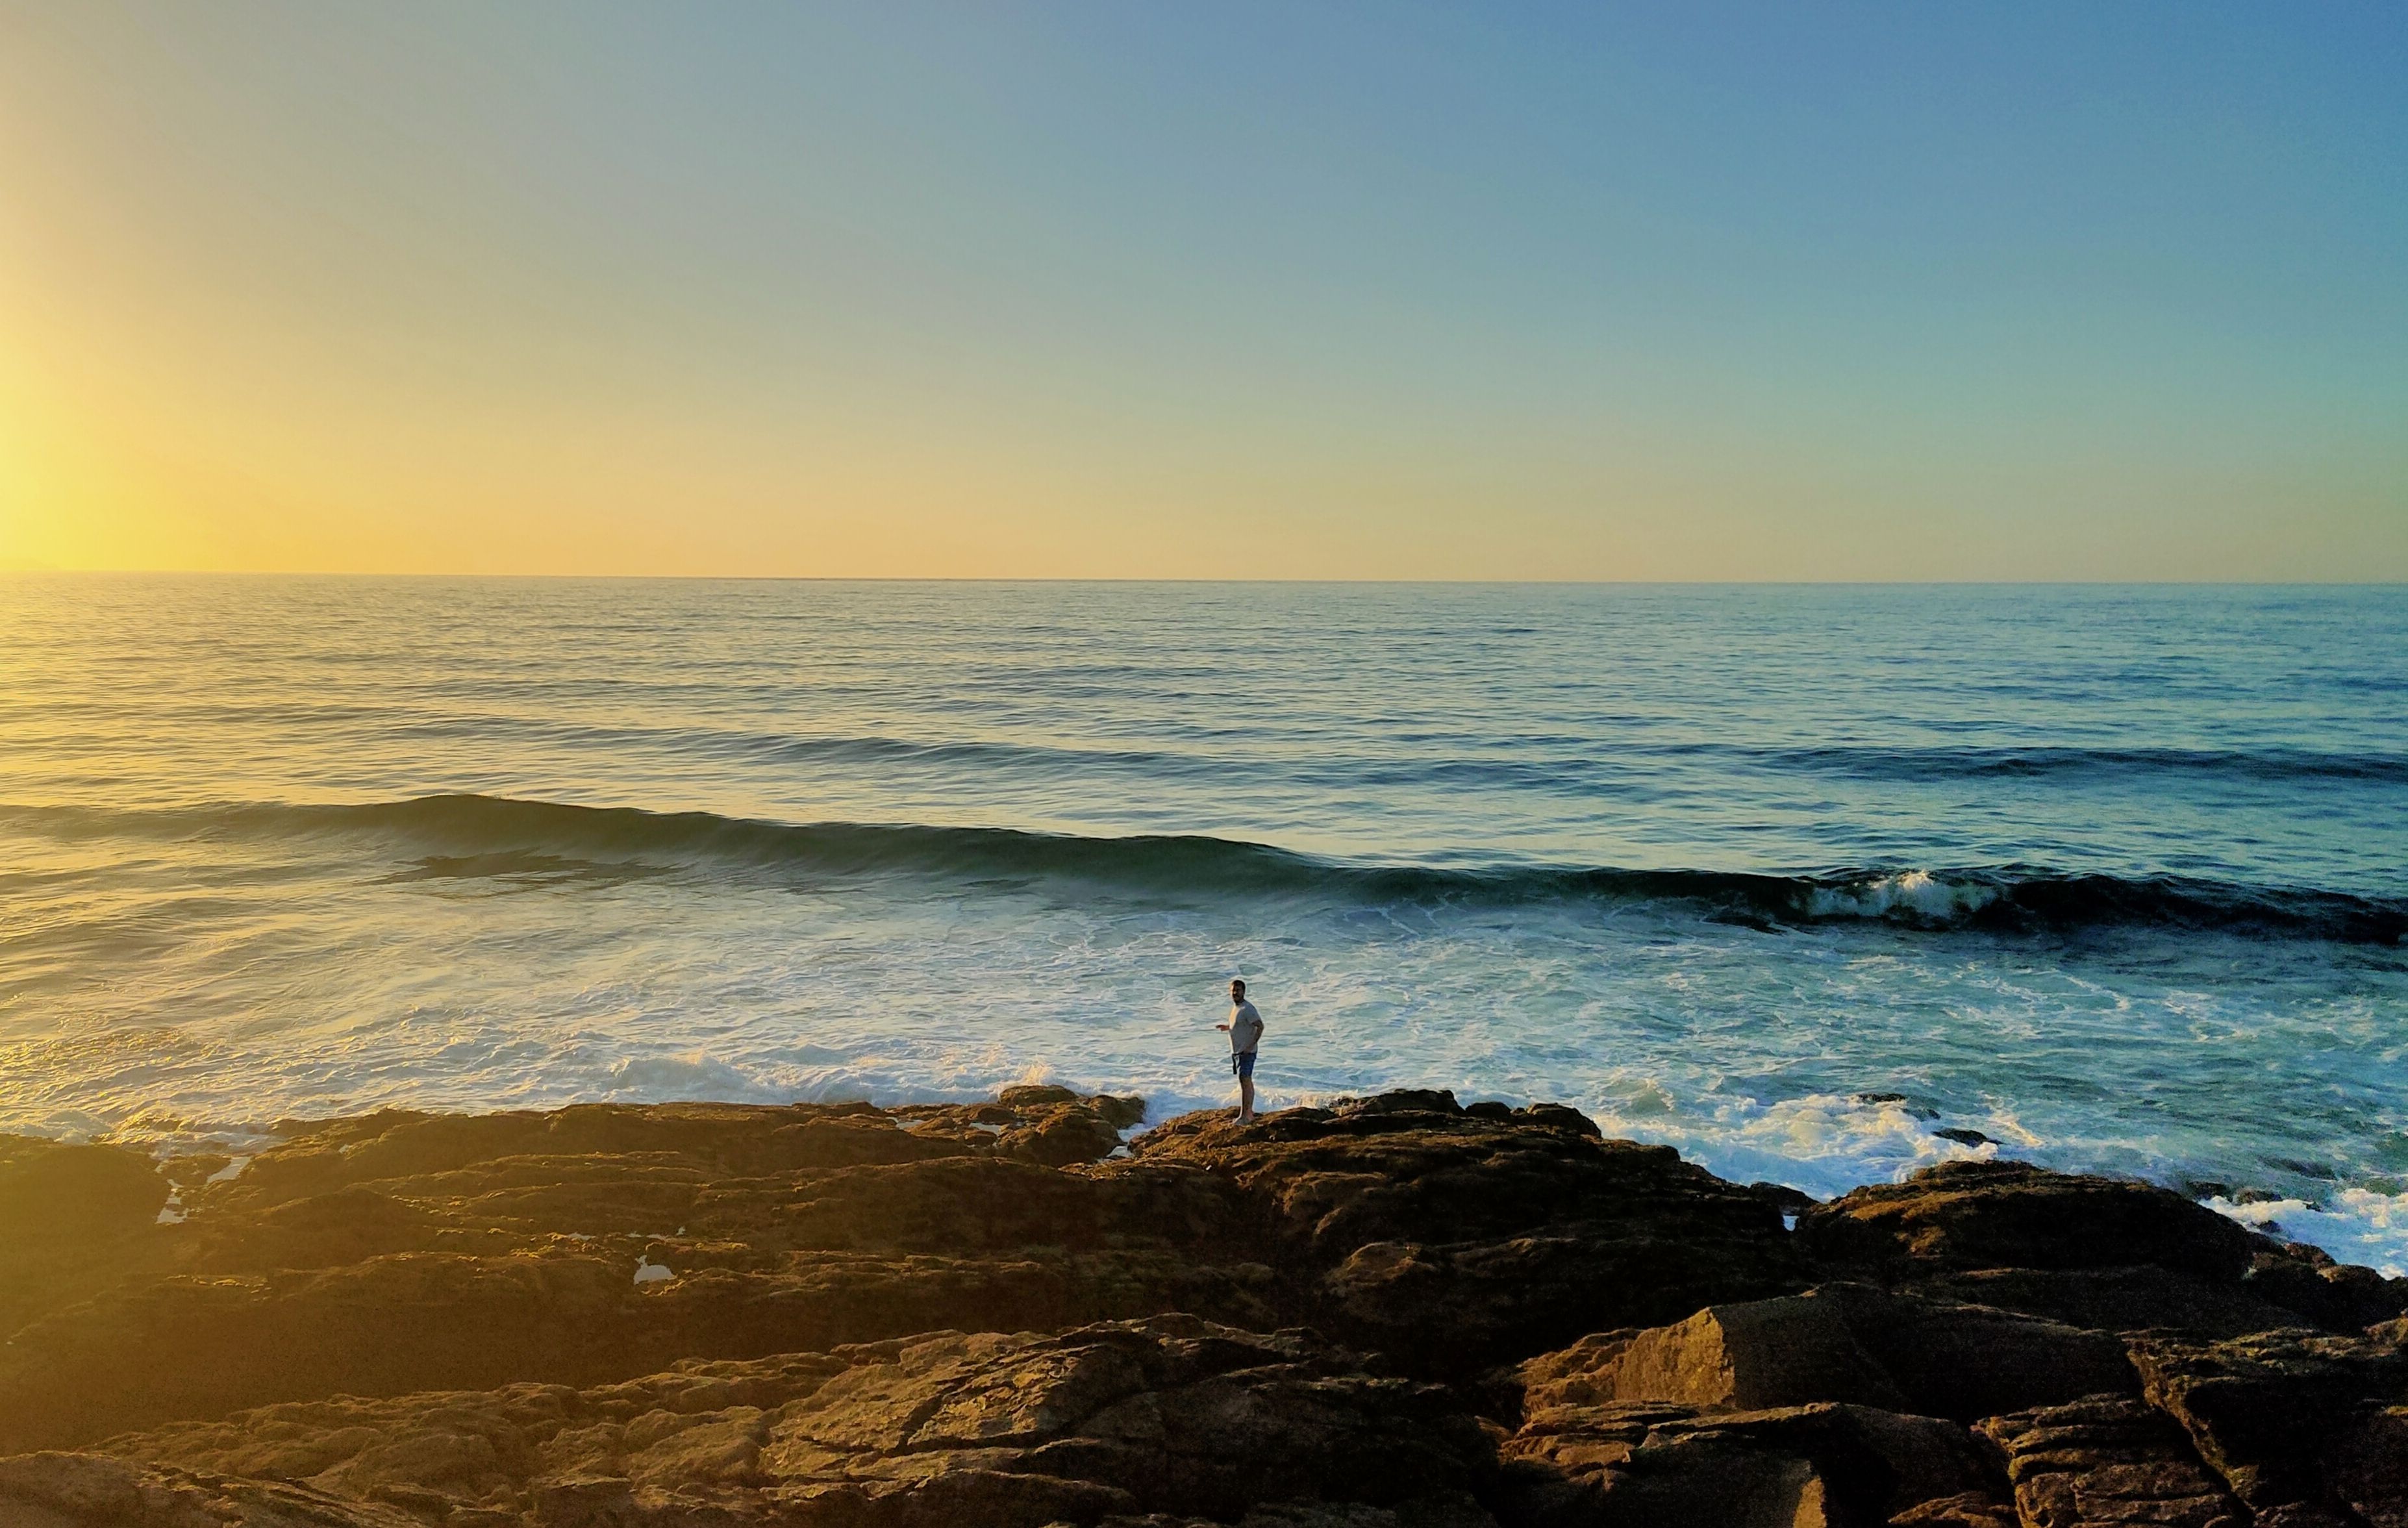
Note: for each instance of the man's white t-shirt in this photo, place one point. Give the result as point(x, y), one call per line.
point(1245, 1027)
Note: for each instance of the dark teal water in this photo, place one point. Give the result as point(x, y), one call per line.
point(2116, 877)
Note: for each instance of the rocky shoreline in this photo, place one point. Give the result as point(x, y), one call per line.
point(1395, 1312)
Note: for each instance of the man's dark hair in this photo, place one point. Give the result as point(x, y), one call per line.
point(1237, 984)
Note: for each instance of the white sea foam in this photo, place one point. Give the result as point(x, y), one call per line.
point(1823, 1144)
point(689, 1075)
point(2355, 1225)
point(1913, 894)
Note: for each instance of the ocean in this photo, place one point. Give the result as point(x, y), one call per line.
point(1791, 878)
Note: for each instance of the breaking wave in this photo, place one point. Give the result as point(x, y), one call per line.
point(478, 835)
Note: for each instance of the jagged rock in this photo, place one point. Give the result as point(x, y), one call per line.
point(2108, 1461)
point(363, 1264)
point(1970, 1361)
point(1117, 1111)
point(504, 1448)
point(1176, 1415)
point(85, 1491)
point(1446, 1510)
point(523, 1147)
point(1784, 1198)
point(1656, 1465)
point(386, 1255)
point(1851, 1343)
point(1966, 1509)
point(2335, 1296)
point(1062, 1138)
point(2096, 1253)
point(1576, 1374)
point(2265, 1411)
point(2115, 1299)
point(1035, 1095)
point(1455, 1239)
point(203, 1347)
point(2011, 1215)
point(2367, 1468)
point(1743, 1357)
point(1173, 1416)
point(1044, 1124)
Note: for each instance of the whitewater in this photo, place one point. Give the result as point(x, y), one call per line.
point(1819, 885)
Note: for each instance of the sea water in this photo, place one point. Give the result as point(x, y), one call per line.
point(1791, 878)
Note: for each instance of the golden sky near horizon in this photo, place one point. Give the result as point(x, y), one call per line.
point(1076, 294)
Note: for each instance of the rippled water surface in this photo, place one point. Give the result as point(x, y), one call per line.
point(1788, 878)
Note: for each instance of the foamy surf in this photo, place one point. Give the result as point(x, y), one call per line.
point(1823, 1144)
point(2355, 1224)
point(1916, 895)
point(1694, 860)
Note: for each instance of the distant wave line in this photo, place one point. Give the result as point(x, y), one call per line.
point(1564, 763)
point(473, 835)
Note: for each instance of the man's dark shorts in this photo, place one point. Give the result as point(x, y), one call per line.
point(1241, 1064)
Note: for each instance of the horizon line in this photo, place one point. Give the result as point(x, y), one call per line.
point(1076, 578)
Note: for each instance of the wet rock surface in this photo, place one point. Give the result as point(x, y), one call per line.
point(1395, 1312)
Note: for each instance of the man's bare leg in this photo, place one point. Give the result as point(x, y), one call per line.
point(1245, 1100)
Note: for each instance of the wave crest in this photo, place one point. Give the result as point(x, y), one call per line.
point(469, 835)
point(1915, 894)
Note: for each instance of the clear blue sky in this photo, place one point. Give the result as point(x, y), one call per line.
point(1675, 291)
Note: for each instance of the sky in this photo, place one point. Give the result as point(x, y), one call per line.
point(1692, 290)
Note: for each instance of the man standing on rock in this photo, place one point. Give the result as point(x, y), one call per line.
point(1245, 1027)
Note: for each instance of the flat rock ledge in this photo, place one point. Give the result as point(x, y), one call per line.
point(1395, 1312)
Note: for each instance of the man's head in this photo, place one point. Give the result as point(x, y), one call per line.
point(1237, 992)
